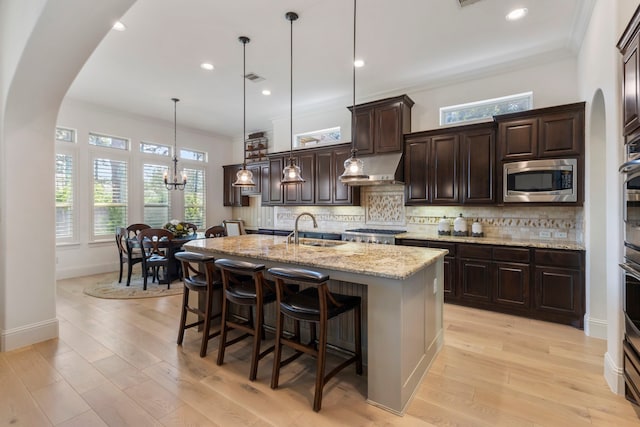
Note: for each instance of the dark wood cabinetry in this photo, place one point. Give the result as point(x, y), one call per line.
point(628, 46)
point(546, 284)
point(232, 196)
point(303, 193)
point(256, 170)
point(272, 191)
point(546, 132)
point(381, 124)
point(329, 189)
point(451, 166)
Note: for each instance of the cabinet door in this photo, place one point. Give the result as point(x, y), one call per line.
point(302, 194)
point(511, 285)
point(416, 171)
point(475, 280)
point(478, 167)
point(631, 88)
point(450, 293)
point(560, 134)
point(444, 172)
point(324, 175)
point(518, 139)
point(388, 128)
point(257, 189)
point(342, 193)
point(559, 291)
point(364, 130)
point(276, 192)
point(265, 184)
point(232, 195)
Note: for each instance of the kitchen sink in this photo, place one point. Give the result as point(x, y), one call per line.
point(322, 243)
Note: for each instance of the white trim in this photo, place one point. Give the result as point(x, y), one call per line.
point(88, 270)
point(596, 328)
point(29, 334)
point(613, 374)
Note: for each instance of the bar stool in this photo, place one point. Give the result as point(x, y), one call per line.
point(244, 285)
point(204, 280)
point(316, 305)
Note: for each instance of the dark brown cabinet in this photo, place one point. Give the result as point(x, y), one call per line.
point(546, 284)
point(272, 191)
point(628, 46)
point(303, 193)
point(450, 167)
point(256, 170)
point(232, 195)
point(329, 189)
point(380, 125)
point(547, 132)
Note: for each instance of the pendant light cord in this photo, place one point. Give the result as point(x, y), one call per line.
point(244, 103)
point(175, 138)
point(291, 95)
point(353, 113)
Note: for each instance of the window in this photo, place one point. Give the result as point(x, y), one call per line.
point(488, 108)
point(64, 197)
point(318, 137)
point(153, 148)
point(65, 134)
point(109, 196)
point(108, 141)
point(194, 200)
point(198, 156)
point(157, 202)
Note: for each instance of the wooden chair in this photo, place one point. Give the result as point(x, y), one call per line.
point(128, 255)
point(204, 279)
point(215, 231)
point(191, 228)
point(156, 246)
point(244, 285)
point(316, 305)
point(233, 227)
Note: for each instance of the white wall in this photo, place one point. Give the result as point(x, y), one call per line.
point(86, 257)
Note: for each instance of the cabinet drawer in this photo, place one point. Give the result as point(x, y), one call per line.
point(501, 253)
point(474, 251)
point(451, 247)
point(559, 258)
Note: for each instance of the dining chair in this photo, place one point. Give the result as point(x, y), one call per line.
point(156, 252)
point(191, 228)
point(127, 254)
point(233, 227)
point(215, 231)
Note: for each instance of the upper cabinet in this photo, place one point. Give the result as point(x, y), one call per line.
point(628, 46)
point(547, 132)
point(232, 196)
point(380, 125)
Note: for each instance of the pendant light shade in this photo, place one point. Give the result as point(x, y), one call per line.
point(174, 183)
point(244, 177)
point(291, 173)
point(353, 166)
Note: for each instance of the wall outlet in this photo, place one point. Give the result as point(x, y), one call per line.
point(560, 234)
point(435, 286)
point(545, 234)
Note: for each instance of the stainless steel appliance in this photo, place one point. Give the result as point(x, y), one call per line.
point(371, 235)
point(549, 180)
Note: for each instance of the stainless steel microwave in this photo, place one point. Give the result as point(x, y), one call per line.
point(549, 180)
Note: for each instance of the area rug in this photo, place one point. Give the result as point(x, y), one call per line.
point(109, 288)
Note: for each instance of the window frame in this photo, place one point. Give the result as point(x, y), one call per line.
point(443, 111)
point(195, 165)
point(151, 159)
point(108, 147)
point(99, 152)
point(68, 148)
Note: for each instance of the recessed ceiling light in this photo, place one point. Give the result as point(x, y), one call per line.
point(516, 14)
point(206, 66)
point(358, 63)
point(266, 92)
point(119, 26)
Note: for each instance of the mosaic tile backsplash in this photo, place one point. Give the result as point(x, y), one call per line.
point(383, 207)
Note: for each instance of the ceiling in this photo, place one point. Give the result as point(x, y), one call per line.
point(406, 44)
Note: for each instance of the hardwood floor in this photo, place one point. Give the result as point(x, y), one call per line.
point(116, 363)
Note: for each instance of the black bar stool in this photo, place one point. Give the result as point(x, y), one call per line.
point(316, 305)
point(244, 285)
point(205, 279)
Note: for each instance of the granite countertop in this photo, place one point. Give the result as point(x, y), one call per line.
point(389, 261)
point(505, 241)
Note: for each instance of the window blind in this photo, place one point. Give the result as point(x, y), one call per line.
point(109, 196)
point(194, 197)
point(64, 196)
point(157, 203)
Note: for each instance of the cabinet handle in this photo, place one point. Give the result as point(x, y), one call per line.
point(629, 166)
point(632, 271)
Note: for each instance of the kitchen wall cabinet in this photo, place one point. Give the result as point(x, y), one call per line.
point(546, 284)
point(303, 193)
point(232, 195)
point(256, 170)
point(547, 132)
point(628, 46)
point(451, 166)
point(329, 189)
point(380, 125)
point(272, 191)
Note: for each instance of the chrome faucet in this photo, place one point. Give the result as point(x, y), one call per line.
point(296, 238)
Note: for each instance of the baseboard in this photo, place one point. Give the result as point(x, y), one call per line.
point(596, 328)
point(69, 273)
point(29, 334)
point(613, 374)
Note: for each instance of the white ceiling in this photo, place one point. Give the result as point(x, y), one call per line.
point(407, 44)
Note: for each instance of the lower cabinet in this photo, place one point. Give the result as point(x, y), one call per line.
point(545, 284)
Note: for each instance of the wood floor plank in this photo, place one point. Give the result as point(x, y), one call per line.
point(17, 406)
point(86, 419)
point(115, 408)
point(32, 369)
point(154, 399)
point(60, 402)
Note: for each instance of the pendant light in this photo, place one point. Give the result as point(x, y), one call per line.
point(244, 177)
point(353, 167)
point(174, 184)
point(291, 172)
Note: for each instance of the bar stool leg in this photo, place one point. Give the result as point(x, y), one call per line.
point(277, 350)
point(223, 331)
point(207, 323)
point(183, 315)
point(257, 338)
point(322, 353)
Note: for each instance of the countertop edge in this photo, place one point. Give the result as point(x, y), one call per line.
point(542, 244)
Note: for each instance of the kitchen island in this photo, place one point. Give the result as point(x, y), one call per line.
point(404, 298)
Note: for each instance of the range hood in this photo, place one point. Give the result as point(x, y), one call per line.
point(383, 169)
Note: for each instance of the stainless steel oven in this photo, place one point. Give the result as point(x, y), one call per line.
point(549, 180)
point(631, 214)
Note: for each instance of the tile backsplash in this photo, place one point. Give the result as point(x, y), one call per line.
point(383, 207)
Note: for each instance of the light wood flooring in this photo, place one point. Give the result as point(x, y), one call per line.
point(116, 363)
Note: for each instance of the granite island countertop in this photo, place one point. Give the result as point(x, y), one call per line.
point(389, 261)
point(505, 241)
